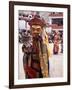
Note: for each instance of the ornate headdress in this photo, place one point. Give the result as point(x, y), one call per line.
point(37, 21)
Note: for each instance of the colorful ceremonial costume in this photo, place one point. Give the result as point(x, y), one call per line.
point(36, 62)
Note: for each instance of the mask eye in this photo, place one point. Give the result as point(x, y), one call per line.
point(24, 30)
point(33, 29)
point(38, 29)
point(29, 31)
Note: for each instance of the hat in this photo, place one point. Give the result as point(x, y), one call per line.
point(37, 21)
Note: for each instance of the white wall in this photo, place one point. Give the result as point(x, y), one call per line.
point(4, 44)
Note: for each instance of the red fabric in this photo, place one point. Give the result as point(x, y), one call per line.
point(37, 21)
point(30, 71)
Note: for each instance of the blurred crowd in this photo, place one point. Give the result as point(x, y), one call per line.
point(50, 36)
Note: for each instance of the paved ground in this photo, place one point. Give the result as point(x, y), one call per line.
point(56, 65)
point(55, 61)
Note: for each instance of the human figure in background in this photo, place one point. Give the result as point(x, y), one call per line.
point(26, 48)
point(56, 43)
point(62, 44)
